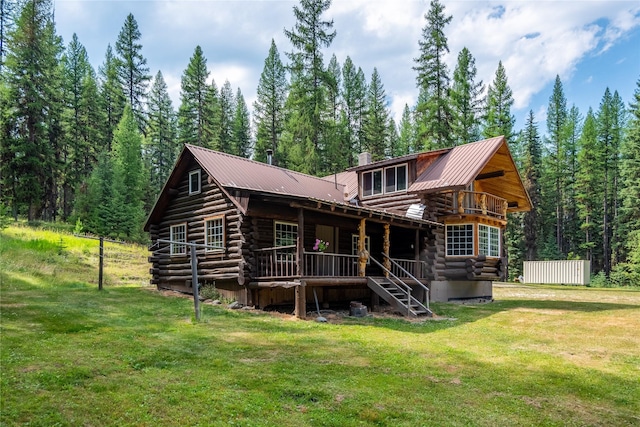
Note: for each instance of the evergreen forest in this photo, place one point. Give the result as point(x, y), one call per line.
point(94, 147)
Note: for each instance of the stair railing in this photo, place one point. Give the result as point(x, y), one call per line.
point(411, 276)
point(405, 288)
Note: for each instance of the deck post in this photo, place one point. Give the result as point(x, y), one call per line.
point(301, 301)
point(416, 251)
point(300, 244)
point(386, 245)
point(363, 255)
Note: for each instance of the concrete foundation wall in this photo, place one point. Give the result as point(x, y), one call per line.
point(445, 290)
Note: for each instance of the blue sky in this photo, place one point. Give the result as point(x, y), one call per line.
point(590, 44)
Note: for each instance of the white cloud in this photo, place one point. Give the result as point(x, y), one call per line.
point(536, 40)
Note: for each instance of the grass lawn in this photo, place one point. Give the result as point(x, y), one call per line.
point(71, 355)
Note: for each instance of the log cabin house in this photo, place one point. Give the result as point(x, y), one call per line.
point(425, 226)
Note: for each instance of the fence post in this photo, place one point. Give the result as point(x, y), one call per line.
point(101, 263)
point(194, 280)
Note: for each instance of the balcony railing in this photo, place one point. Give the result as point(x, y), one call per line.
point(473, 202)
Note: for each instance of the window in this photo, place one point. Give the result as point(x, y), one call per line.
point(372, 183)
point(194, 182)
point(355, 239)
point(214, 233)
point(460, 240)
point(285, 234)
point(178, 233)
point(387, 180)
point(395, 179)
point(489, 240)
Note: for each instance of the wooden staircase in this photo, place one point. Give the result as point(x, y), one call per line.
point(398, 295)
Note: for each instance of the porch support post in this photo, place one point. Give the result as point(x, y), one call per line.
point(416, 247)
point(300, 244)
point(386, 245)
point(301, 301)
point(363, 255)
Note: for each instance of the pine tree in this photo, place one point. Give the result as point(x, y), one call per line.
point(590, 191)
point(336, 150)
point(433, 110)
point(466, 100)
point(629, 218)
point(227, 112)
point(76, 68)
point(393, 139)
point(128, 179)
point(609, 137)
point(133, 72)
point(556, 119)
point(306, 104)
point(7, 23)
point(93, 204)
point(407, 141)
point(376, 118)
point(571, 137)
point(532, 164)
point(354, 90)
point(92, 118)
point(498, 117)
point(195, 113)
point(268, 109)
point(241, 127)
point(111, 96)
point(31, 151)
point(161, 147)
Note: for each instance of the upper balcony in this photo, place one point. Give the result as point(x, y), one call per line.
point(476, 203)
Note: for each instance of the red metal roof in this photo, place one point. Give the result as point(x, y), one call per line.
point(238, 172)
point(350, 181)
point(457, 168)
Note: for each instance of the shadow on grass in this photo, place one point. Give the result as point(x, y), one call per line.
point(448, 315)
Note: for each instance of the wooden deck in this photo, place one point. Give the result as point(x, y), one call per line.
point(281, 264)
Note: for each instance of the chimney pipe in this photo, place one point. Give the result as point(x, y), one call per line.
point(364, 159)
point(269, 156)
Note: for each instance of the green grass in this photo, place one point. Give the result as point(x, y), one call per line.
point(72, 355)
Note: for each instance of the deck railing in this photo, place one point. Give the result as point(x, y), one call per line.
point(281, 262)
point(322, 264)
point(473, 202)
point(417, 268)
point(277, 262)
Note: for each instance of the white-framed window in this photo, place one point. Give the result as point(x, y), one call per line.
point(395, 179)
point(489, 240)
point(284, 233)
point(178, 233)
point(355, 240)
point(372, 183)
point(388, 180)
point(214, 233)
point(194, 181)
point(460, 240)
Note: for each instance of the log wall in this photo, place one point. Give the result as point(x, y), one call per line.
point(174, 272)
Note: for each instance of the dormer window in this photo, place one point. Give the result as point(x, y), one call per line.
point(395, 179)
point(194, 182)
point(372, 183)
point(388, 180)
